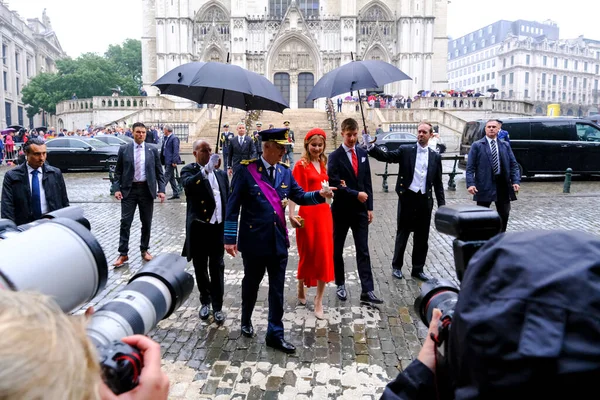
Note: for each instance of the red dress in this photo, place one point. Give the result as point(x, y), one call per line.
point(315, 240)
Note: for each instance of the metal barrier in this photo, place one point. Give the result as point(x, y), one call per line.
point(12, 156)
point(452, 174)
point(412, 128)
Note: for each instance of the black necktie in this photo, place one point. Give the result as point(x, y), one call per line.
point(495, 163)
point(272, 173)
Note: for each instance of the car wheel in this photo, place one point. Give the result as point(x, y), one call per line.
point(383, 148)
point(112, 163)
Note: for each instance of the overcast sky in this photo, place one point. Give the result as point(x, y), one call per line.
point(90, 26)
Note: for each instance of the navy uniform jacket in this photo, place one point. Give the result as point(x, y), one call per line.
point(260, 233)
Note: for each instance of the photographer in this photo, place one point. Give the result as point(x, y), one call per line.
point(46, 354)
point(525, 324)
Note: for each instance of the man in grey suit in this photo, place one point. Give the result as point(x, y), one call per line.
point(493, 172)
point(241, 148)
point(137, 174)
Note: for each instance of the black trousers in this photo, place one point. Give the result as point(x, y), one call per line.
point(359, 223)
point(254, 270)
point(414, 215)
point(170, 178)
point(139, 196)
point(502, 202)
point(207, 255)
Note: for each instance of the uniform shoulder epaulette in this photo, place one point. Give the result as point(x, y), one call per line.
point(284, 164)
point(247, 162)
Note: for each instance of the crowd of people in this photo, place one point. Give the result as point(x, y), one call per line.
point(243, 211)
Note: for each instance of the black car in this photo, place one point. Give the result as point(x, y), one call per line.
point(389, 141)
point(545, 145)
point(81, 153)
point(114, 140)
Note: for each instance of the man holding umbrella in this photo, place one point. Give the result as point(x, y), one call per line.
point(262, 188)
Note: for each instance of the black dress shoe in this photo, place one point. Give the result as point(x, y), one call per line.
point(248, 330)
point(341, 292)
point(370, 297)
point(397, 274)
point(219, 317)
point(174, 197)
point(204, 311)
point(420, 275)
point(280, 344)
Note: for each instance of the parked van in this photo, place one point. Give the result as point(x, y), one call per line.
point(547, 145)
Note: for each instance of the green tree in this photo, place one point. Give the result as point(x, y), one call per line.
point(88, 75)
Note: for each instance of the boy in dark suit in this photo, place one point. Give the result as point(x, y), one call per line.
point(352, 209)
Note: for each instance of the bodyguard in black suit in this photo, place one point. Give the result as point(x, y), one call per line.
point(241, 147)
point(419, 171)
point(206, 192)
point(138, 173)
point(352, 208)
point(25, 200)
point(493, 172)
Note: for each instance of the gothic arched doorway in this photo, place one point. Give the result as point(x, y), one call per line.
point(298, 61)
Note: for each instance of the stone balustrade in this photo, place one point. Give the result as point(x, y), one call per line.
point(132, 103)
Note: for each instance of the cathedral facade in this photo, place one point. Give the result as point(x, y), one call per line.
point(294, 43)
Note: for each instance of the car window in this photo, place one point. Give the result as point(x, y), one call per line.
point(473, 131)
point(77, 144)
point(408, 136)
point(517, 130)
point(96, 143)
point(587, 132)
point(57, 143)
point(392, 136)
point(552, 130)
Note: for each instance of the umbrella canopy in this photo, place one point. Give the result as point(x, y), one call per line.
point(225, 84)
point(15, 127)
point(42, 128)
point(8, 130)
point(492, 90)
point(356, 75)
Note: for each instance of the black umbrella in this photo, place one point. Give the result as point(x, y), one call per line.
point(493, 90)
point(224, 84)
point(356, 75)
point(42, 128)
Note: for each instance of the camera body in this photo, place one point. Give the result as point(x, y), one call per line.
point(472, 227)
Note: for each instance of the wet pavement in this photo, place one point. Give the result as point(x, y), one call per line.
point(352, 354)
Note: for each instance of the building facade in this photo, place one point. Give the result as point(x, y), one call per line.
point(295, 42)
point(27, 49)
point(526, 60)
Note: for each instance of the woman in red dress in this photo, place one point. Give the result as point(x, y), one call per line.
point(315, 238)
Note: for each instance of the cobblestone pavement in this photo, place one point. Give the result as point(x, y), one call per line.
point(352, 354)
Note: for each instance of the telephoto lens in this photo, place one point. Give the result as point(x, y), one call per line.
point(436, 293)
point(152, 294)
point(56, 256)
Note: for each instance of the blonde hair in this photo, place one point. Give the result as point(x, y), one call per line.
point(44, 354)
point(306, 155)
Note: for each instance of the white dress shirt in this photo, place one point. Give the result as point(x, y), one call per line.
point(349, 153)
point(489, 141)
point(143, 163)
point(42, 191)
point(420, 176)
point(217, 216)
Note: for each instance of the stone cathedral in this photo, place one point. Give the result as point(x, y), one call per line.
point(294, 43)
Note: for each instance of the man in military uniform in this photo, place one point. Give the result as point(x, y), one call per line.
point(257, 140)
point(262, 188)
point(226, 135)
point(288, 158)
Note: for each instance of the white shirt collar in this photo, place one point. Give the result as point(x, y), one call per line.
point(490, 140)
point(424, 149)
point(29, 169)
point(347, 149)
point(135, 145)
